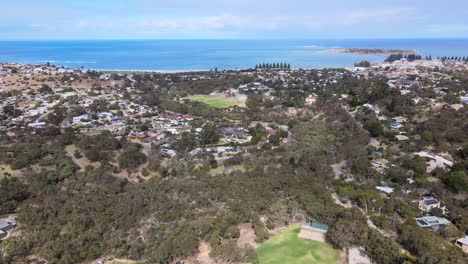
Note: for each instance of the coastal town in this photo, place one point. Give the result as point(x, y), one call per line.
point(387, 141)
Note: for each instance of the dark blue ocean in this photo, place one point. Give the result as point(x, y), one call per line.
point(172, 55)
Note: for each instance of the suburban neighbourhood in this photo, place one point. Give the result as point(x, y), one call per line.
point(387, 142)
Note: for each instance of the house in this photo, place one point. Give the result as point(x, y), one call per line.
point(402, 137)
point(385, 189)
point(462, 243)
point(235, 132)
point(427, 203)
point(432, 222)
point(37, 125)
point(396, 125)
point(375, 109)
point(436, 161)
point(464, 99)
point(105, 76)
point(5, 226)
point(79, 119)
point(169, 152)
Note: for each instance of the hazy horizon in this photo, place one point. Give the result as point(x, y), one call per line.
point(190, 19)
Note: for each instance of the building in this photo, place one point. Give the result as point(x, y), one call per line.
point(427, 203)
point(323, 228)
point(80, 119)
point(401, 137)
point(396, 125)
point(373, 108)
point(385, 189)
point(4, 228)
point(464, 99)
point(432, 222)
point(436, 161)
point(462, 243)
point(169, 152)
point(313, 231)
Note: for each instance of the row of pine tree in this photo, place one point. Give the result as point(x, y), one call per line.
point(280, 65)
point(465, 59)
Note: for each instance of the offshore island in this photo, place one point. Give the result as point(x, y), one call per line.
point(372, 51)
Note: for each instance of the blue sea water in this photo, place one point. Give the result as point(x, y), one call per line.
point(173, 55)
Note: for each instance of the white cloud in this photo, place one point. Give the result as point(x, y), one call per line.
point(447, 29)
point(380, 16)
point(272, 23)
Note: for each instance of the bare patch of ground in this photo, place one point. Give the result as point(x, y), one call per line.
point(112, 260)
point(203, 256)
point(247, 236)
point(312, 235)
point(338, 168)
point(337, 201)
point(6, 170)
point(357, 256)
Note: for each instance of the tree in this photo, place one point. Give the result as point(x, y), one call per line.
point(363, 63)
point(45, 89)
point(186, 143)
point(427, 136)
point(437, 212)
point(131, 157)
point(381, 249)
point(428, 247)
point(209, 135)
point(254, 102)
point(394, 57)
point(374, 126)
point(10, 110)
point(457, 181)
point(184, 245)
point(13, 193)
point(361, 165)
point(144, 127)
point(345, 233)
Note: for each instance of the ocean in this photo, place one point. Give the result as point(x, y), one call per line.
point(180, 55)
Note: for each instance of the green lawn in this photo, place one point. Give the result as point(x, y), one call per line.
point(287, 247)
point(217, 101)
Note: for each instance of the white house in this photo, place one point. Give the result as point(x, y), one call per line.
point(79, 119)
point(427, 203)
point(462, 243)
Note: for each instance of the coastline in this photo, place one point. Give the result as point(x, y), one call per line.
point(151, 71)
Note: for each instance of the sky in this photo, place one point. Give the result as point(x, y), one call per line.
point(232, 19)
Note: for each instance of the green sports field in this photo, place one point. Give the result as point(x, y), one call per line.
point(287, 247)
point(217, 101)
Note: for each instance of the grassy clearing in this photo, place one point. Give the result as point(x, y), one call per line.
point(217, 101)
point(287, 247)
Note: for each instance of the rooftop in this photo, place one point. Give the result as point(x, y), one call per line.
point(432, 221)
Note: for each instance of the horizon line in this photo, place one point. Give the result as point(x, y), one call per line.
point(240, 39)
